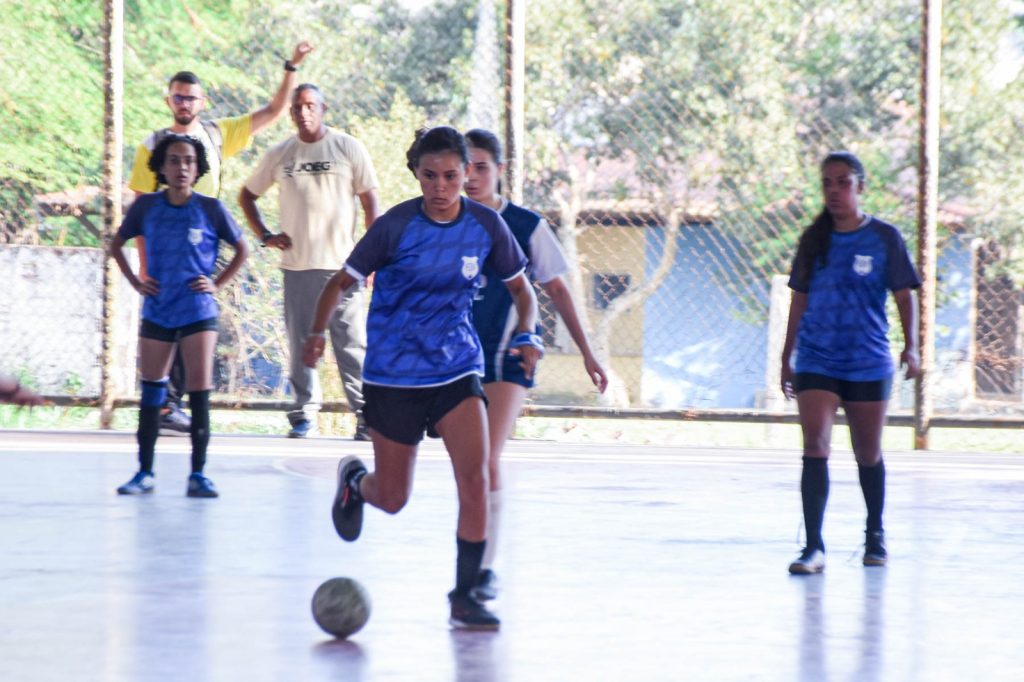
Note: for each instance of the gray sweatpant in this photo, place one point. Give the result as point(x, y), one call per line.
point(346, 328)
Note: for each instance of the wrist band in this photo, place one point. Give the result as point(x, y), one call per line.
point(320, 334)
point(528, 339)
point(288, 66)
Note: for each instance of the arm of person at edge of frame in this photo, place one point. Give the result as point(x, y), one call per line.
point(203, 284)
point(313, 348)
point(12, 391)
point(910, 360)
point(566, 307)
point(265, 116)
point(143, 284)
point(526, 307)
point(797, 306)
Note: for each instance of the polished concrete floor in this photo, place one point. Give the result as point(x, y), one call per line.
point(618, 563)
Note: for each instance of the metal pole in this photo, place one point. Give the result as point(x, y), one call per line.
point(113, 91)
point(515, 76)
point(927, 209)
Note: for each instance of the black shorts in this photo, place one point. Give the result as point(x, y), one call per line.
point(848, 391)
point(151, 330)
point(402, 414)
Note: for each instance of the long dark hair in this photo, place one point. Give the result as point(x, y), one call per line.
point(156, 160)
point(436, 140)
point(812, 250)
point(488, 141)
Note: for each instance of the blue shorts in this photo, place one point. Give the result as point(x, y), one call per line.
point(848, 391)
point(403, 414)
point(151, 330)
point(510, 370)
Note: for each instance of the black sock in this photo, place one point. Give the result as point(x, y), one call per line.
point(814, 492)
point(199, 403)
point(149, 429)
point(467, 564)
point(872, 484)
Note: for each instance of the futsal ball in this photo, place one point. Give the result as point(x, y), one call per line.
point(341, 607)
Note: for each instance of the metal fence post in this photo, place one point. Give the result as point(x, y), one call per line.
point(515, 74)
point(927, 209)
point(113, 133)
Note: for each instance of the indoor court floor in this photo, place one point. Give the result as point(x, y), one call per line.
point(616, 563)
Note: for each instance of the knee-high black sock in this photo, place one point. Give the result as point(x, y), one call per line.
point(872, 484)
point(467, 564)
point(199, 403)
point(149, 429)
point(814, 491)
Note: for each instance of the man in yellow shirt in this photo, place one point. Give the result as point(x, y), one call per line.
point(222, 138)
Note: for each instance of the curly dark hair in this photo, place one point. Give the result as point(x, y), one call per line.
point(159, 155)
point(436, 140)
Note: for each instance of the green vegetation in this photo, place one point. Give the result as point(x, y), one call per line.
point(662, 110)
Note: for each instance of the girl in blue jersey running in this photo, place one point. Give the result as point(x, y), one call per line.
point(423, 360)
point(504, 382)
point(183, 231)
point(845, 265)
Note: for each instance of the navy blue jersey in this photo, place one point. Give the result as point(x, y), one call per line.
point(843, 332)
point(494, 313)
point(181, 244)
point(419, 331)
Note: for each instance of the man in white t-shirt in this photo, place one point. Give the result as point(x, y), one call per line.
point(319, 172)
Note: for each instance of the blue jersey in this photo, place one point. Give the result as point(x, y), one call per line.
point(419, 331)
point(494, 313)
point(843, 332)
point(181, 244)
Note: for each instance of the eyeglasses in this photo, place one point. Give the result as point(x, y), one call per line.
point(185, 99)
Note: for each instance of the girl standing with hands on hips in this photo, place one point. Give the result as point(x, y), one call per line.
point(846, 263)
point(183, 231)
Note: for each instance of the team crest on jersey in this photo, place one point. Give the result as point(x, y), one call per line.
point(862, 265)
point(470, 266)
point(195, 236)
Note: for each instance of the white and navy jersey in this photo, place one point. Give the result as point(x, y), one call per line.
point(843, 332)
point(419, 331)
point(181, 244)
point(494, 313)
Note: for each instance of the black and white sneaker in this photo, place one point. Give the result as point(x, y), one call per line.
point(175, 422)
point(486, 587)
point(809, 562)
point(469, 614)
point(347, 510)
point(874, 548)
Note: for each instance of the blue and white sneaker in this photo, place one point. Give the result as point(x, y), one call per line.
point(201, 486)
point(141, 484)
point(303, 429)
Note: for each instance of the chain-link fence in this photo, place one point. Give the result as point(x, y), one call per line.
point(673, 145)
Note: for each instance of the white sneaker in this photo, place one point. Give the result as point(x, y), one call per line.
point(810, 561)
